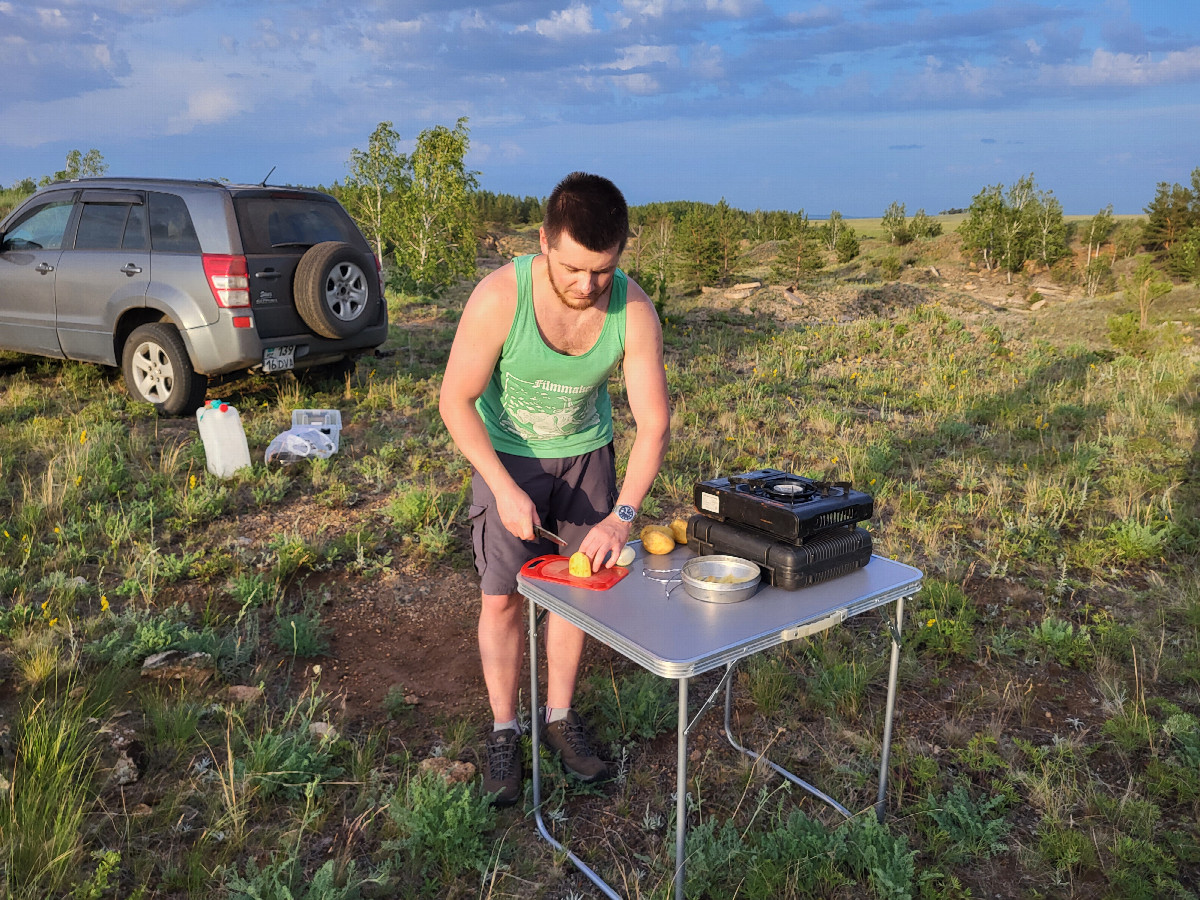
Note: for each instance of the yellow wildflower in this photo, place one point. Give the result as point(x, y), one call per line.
point(54, 621)
point(83, 436)
point(104, 603)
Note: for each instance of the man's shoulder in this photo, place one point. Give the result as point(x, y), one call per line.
point(497, 288)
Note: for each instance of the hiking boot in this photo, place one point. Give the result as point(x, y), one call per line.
point(568, 739)
point(502, 770)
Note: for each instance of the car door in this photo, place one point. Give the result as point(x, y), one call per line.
point(29, 258)
point(103, 272)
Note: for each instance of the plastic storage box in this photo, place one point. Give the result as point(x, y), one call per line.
point(329, 421)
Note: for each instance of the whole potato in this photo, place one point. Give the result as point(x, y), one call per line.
point(658, 539)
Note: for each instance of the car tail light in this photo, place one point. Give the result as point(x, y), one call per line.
point(228, 278)
point(379, 272)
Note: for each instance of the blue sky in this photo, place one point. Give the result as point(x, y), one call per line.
point(769, 104)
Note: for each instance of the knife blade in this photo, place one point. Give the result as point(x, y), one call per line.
point(547, 533)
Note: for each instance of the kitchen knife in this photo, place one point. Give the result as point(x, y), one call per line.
point(547, 533)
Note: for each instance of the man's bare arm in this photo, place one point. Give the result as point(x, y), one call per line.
point(646, 388)
point(480, 337)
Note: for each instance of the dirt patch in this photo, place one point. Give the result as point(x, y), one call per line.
point(412, 634)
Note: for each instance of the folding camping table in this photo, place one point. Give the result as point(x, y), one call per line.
point(650, 618)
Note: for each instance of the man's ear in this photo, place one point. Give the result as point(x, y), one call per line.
point(542, 239)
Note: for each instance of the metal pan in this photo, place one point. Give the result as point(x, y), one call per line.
point(697, 573)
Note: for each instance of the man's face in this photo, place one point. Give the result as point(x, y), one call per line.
point(579, 276)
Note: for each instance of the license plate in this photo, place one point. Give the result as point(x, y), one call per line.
point(279, 359)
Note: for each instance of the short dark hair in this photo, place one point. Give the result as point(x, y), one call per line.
point(591, 209)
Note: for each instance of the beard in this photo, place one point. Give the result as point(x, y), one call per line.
point(576, 303)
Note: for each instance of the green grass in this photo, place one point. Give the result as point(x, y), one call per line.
point(1041, 475)
point(44, 811)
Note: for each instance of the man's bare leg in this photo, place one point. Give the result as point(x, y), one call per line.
point(501, 650)
point(564, 650)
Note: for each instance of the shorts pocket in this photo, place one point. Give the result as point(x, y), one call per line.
point(477, 516)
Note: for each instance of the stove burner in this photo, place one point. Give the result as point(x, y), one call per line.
point(789, 490)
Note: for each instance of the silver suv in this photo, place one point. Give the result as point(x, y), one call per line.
point(176, 281)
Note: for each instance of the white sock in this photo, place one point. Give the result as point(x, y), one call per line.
point(513, 725)
point(556, 713)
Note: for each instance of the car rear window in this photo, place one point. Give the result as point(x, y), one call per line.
point(270, 224)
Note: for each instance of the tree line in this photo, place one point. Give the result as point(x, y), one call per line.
point(424, 212)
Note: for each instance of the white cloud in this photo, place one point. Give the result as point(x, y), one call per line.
point(1127, 70)
point(645, 55)
point(208, 106)
point(657, 9)
point(395, 28)
point(566, 23)
point(474, 22)
point(53, 18)
point(638, 83)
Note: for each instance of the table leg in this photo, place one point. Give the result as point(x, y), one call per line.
point(891, 709)
point(794, 779)
point(681, 762)
point(535, 737)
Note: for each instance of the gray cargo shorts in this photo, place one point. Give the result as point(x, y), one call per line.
point(571, 495)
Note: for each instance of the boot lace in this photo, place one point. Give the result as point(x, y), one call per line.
point(500, 758)
point(574, 736)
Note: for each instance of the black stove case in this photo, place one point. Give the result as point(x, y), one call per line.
point(833, 552)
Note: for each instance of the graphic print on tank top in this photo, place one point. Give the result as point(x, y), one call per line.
point(541, 410)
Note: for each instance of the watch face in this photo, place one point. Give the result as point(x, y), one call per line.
point(626, 513)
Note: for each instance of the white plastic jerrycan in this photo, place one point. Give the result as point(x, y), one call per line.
point(225, 447)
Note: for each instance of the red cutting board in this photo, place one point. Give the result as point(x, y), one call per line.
point(554, 568)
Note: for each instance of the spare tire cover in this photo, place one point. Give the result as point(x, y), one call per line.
point(336, 289)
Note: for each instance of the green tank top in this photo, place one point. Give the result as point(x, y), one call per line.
point(545, 404)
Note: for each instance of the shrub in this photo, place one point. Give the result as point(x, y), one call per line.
point(443, 828)
point(966, 827)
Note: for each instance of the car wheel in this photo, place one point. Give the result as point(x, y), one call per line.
point(157, 370)
point(336, 289)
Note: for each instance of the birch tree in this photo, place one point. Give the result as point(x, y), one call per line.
point(437, 217)
point(377, 179)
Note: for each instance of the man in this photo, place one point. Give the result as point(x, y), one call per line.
point(525, 398)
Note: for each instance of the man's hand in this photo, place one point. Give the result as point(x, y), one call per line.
point(603, 544)
point(517, 512)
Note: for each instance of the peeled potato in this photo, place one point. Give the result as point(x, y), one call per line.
point(579, 565)
point(626, 557)
point(679, 531)
point(658, 539)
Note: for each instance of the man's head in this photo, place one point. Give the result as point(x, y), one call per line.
point(590, 209)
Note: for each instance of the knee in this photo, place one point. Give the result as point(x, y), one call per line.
point(502, 604)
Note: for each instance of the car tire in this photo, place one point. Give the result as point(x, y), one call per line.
point(157, 370)
point(336, 289)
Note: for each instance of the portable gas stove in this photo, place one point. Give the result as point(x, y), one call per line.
point(787, 507)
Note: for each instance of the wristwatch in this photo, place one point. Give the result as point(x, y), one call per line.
point(625, 512)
